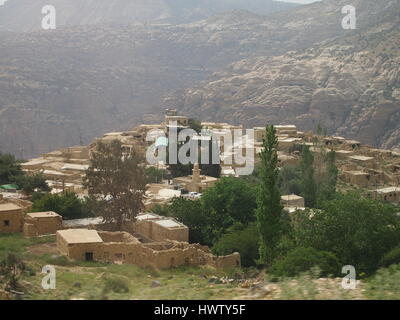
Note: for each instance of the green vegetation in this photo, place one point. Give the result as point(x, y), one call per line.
point(116, 182)
point(11, 173)
point(9, 169)
point(229, 202)
point(269, 210)
point(392, 257)
point(300, 260)
point(308, 184)
point(68, 205)
point(358, 231)
point(239, 238)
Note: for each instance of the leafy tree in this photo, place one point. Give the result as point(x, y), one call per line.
point(328, 180)
point(116, 183)
point(68, 205)
point(10, 169)
point(357, 230)
point(392, 257)
point(269, 210)
point(190, 213)
point(231, 200)
point(29, 183)
point(308, 185)
point(301, 260)
point(290, 180)
point(242, 239)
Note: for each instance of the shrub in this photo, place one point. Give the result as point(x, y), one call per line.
point(385, 284)
point(244, 240)
point(392, 257)
point(357, 230)
point(116, 285)
point(68, 205)
point(302, 260)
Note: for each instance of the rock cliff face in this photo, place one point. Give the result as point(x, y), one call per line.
point(349, 85)
point(64, 87)
point(26, 15)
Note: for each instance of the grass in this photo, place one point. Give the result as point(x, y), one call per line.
point(93, 281)
point(99, 281)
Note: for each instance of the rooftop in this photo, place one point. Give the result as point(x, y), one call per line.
point(291, 197)
point(9, 207)
point(169, 223)
point(74, 236)
point(388, 190)
point(361, 158)
point(82, 222)
point(47, 214)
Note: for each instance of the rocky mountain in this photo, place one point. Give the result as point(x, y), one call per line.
point(26, 15)
point(64, 87)
point(348, 84)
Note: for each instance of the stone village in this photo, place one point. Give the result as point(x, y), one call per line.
point(163, 242)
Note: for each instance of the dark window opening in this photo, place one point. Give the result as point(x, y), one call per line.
point(89, 256)
point(6, 223)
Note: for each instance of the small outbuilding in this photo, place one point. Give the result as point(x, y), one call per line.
point(11, 217)
point(42, 223)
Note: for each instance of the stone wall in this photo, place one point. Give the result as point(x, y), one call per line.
point(164, 255)
point(34, 227)
point(11, 221)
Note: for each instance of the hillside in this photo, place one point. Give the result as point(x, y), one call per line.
point(65, 87)
point(25, 15)
point(350, 85)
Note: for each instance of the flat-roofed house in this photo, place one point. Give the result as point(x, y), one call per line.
point(11, 217)
point(358, 178)
point(159, 228)
point(42, 223)
point(292, 200)
point(363, 160)
point(124, 248)
point(389, 194)
point(80, 244)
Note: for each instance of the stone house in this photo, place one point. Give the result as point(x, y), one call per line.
point(42, 223)
point(357, 178)
point(390, 194)
point(159, 228)
point(11, 217)
point(123, 248)
point(292, 201)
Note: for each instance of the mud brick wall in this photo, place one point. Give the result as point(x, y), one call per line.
point(11, 221)
point(34, 227)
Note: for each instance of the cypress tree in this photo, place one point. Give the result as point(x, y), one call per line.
point(269, 207)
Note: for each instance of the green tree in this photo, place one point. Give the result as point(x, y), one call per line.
point(29, 183)
point(242, 239)
point(116, 183)
point(68, 205)
point(357, 230)
point(269, 210)
point(290, 180)
point(190, 213)
point(308, 185)
point(304, 259)
point(10, 169)
point(328, 181)
point(229, 201)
